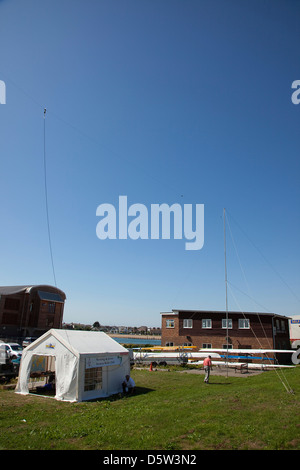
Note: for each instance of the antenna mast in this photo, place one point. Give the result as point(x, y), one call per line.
point(226, 291)
point(46, 198)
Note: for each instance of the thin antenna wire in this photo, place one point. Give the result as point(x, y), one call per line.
point(287, 387)
point(283, 380)
point(265, 259)
point(226, 290)
point(46, 198)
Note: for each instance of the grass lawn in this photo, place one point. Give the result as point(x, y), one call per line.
point(170, 411)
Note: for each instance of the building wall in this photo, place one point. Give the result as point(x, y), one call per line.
point(25, 314)
point(259, 335)
point(11, 309)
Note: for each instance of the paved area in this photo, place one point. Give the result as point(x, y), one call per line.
point(217, 371)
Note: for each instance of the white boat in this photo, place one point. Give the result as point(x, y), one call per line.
point(176, 357)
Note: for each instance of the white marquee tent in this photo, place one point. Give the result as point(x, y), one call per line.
point(87, 364)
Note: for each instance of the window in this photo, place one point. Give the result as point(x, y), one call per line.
point(93, 379)
point(51, 307)
point(224, 323)
point(206, 346)
point(206, 323)
point(227, 346)
point(244, 323)
point(169, 344)
point(188, 323)
point(170, 323)
point(187, 344)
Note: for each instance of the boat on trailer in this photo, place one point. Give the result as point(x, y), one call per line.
point(220, 357)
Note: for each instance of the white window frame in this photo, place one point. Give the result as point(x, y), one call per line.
point(204, 325)
point(206, 346)
point(93, 379)
point(244, 324)
point(187, 323)
point(224, 321)
point(170, 323)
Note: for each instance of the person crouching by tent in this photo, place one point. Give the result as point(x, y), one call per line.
point(128, 385)
point(207, 364)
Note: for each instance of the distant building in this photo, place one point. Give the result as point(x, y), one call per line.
point(155, 331)
point(142, 329)
point(30, 310)
point(208, 329)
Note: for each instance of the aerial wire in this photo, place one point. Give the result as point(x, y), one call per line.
point(226, 283)
point(283, 379)
point(46, 200)
point(266, 260)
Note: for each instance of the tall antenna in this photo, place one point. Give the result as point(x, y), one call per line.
point(46, 198)
point(226, 289)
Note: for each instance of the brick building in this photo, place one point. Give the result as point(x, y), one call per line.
point(30, 310)
point(208, 329)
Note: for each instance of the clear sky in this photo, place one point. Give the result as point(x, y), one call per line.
point(164, 101)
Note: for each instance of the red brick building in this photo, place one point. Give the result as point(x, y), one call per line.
point(208, 329)
point(30, 310)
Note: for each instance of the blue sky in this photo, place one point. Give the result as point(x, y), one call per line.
point(164, 101)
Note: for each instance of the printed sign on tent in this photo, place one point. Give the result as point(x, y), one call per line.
point(103, 361)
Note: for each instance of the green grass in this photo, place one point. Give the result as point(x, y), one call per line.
point(170, 411)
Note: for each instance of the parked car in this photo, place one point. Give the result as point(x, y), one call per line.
point(28, 340)
point(8, 370)
point(14, 350)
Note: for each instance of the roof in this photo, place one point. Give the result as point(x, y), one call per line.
point(50, 296)
point(10, 290)
point(82, 342)
point(176, 311)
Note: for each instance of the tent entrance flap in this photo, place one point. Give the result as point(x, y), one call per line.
point(66, 377)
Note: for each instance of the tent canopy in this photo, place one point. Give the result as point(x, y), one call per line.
point(81, 342)
point(75, 353)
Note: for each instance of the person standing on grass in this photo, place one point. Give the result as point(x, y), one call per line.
point(207, 364)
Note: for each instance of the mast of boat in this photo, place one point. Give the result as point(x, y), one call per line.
point(226, 293)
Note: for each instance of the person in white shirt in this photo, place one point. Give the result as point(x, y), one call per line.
point(128, 385)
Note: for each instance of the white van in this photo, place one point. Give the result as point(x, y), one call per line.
point(14, 350)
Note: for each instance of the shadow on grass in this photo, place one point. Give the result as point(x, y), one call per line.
point(143, 390)
point(218, 383)
point(117, 396)
point(122, 396)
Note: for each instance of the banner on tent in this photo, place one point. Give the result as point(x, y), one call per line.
point(102, 361)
